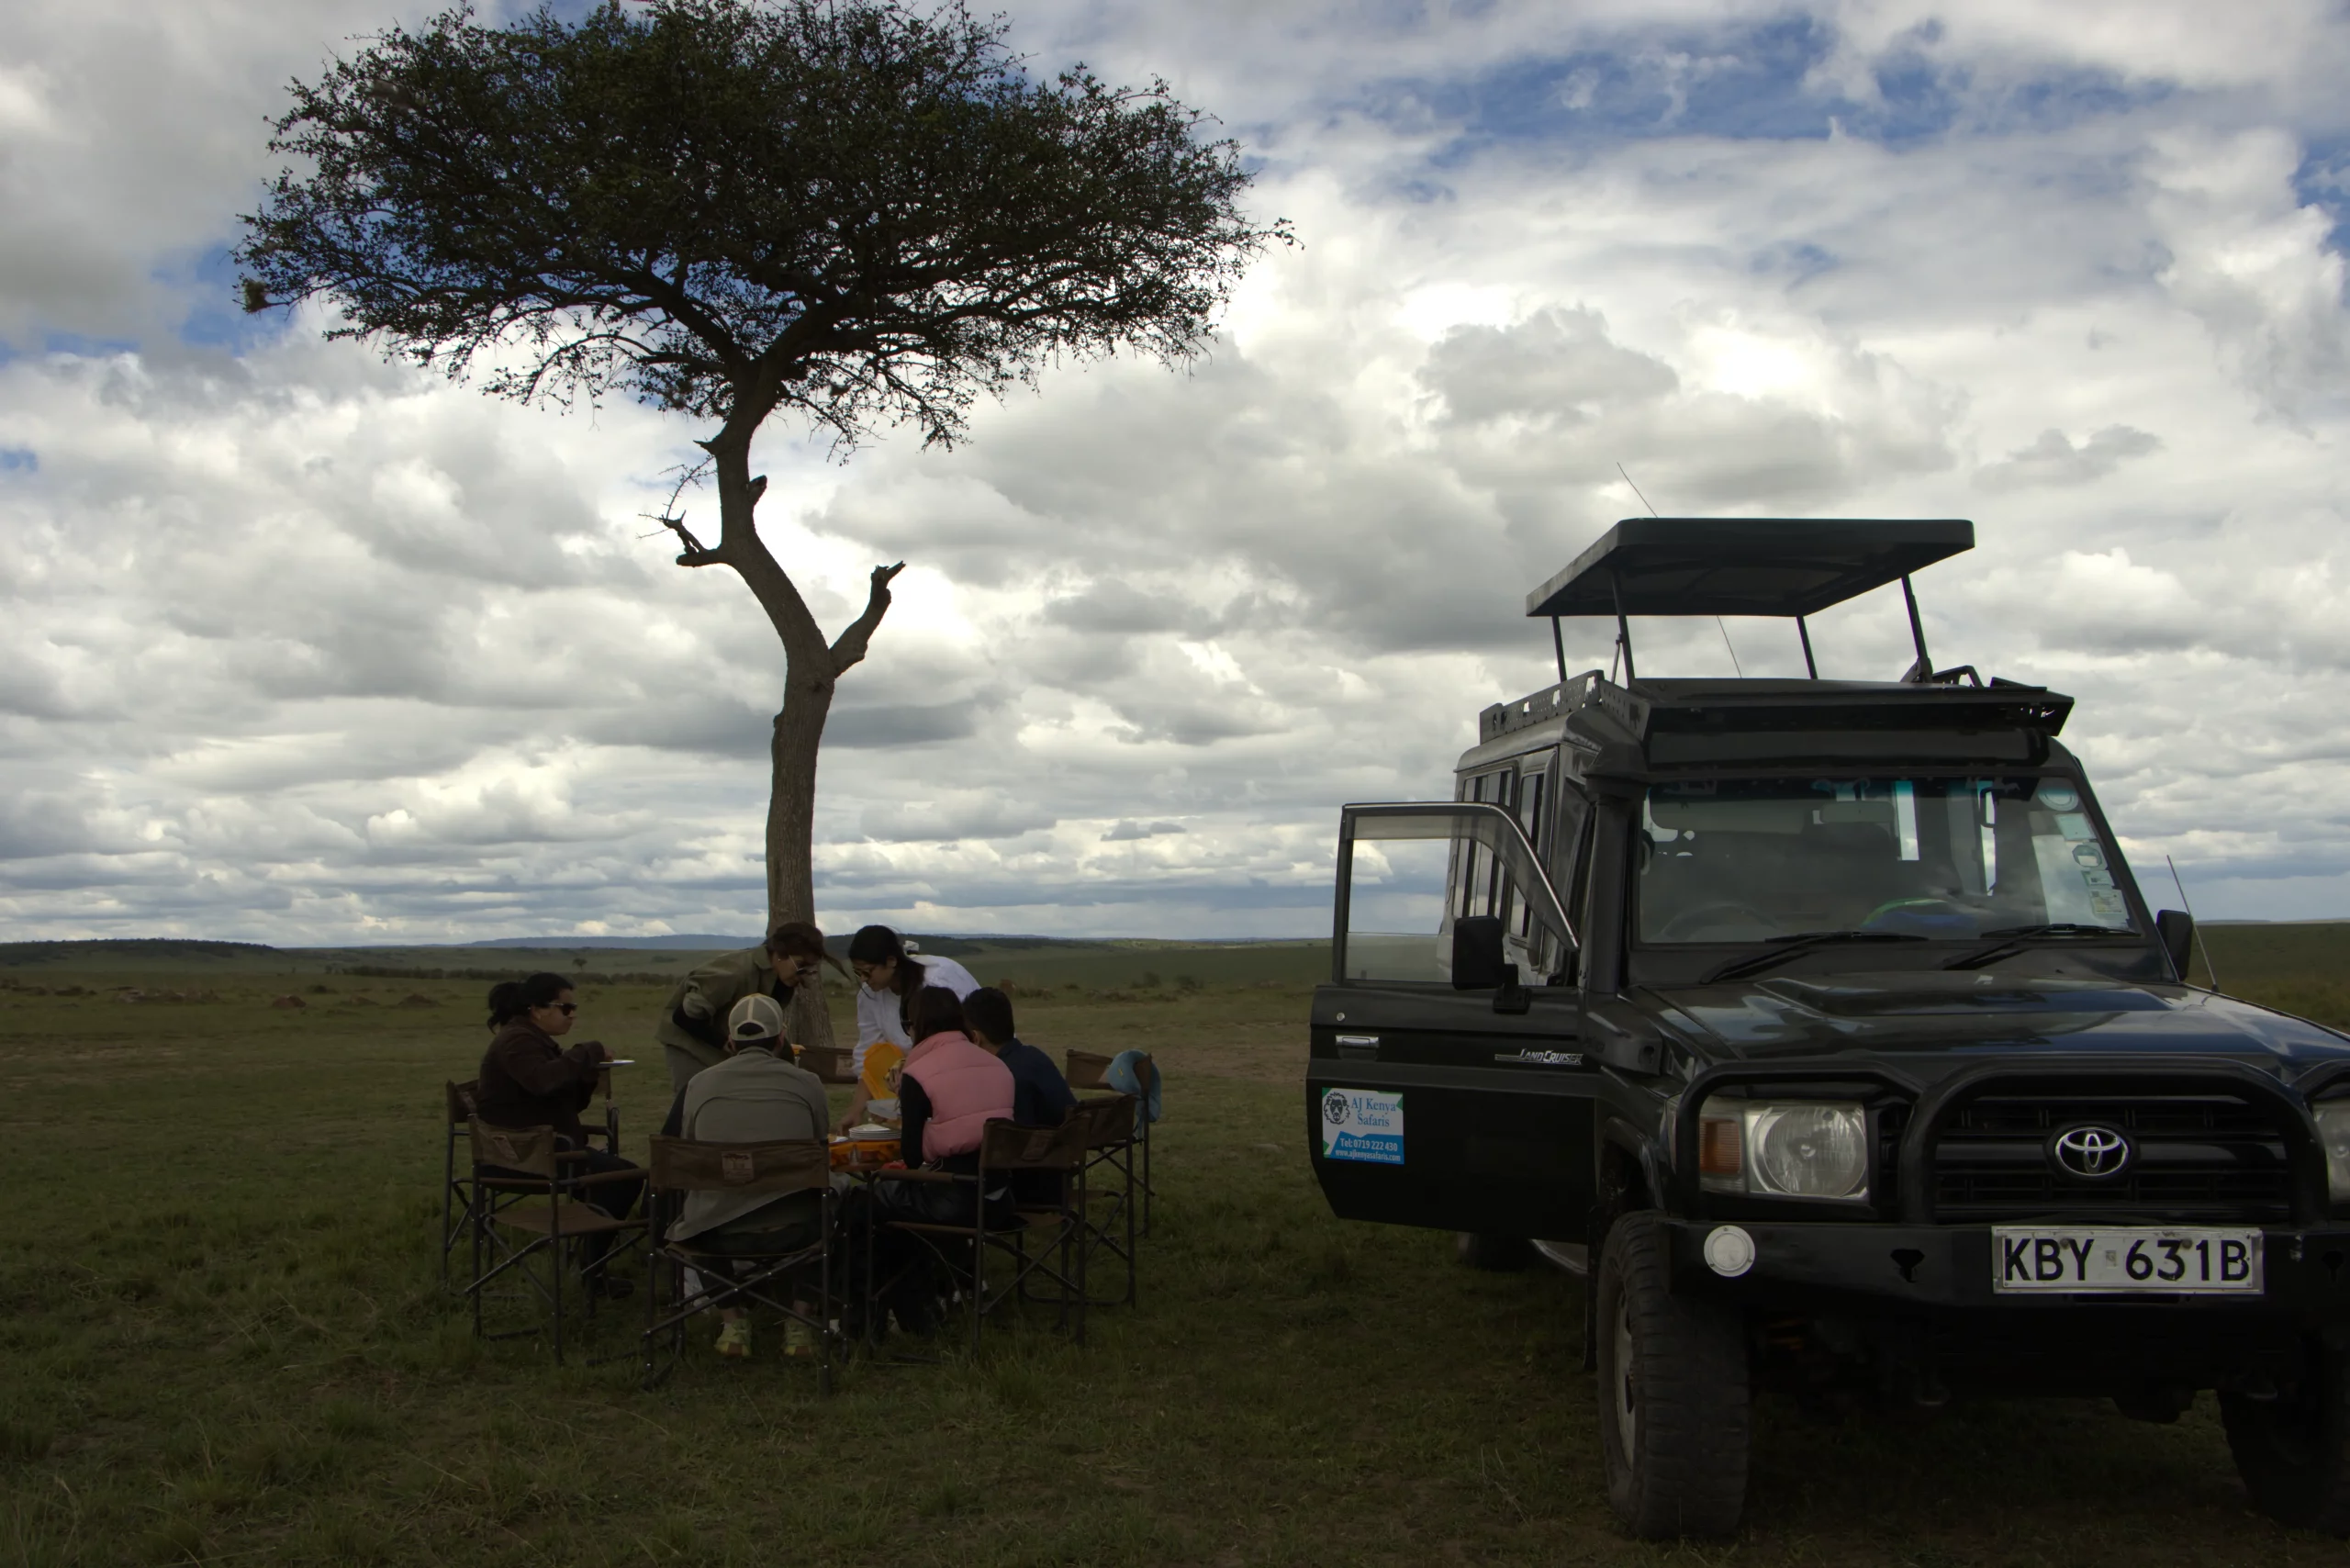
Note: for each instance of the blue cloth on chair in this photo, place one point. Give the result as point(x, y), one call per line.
point(1124, 1075)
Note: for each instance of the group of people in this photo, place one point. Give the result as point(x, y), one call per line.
point(933, 1047)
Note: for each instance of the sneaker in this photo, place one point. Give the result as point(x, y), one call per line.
point(799, 1339)
point(734, 1340)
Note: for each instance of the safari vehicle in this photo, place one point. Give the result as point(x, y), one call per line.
point(1824, 1022)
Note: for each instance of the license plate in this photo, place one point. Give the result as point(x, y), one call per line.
point(2125, 1260)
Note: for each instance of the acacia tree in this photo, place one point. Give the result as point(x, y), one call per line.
point(856, 212)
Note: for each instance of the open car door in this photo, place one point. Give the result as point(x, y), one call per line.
point(1447, 1085)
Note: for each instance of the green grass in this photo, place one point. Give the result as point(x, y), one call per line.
point(224, 1341)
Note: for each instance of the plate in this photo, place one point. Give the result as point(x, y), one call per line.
point(2118, 1259)
point(871, 1132)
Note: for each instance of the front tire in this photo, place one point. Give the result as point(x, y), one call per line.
point(2293, 1451)
point(1674, 1402)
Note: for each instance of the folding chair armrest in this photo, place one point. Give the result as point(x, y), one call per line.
point(920, 1175)
point(603, 1178)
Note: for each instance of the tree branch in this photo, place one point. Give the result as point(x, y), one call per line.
point(849, 648)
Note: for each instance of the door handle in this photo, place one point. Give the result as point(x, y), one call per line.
point(1359, 1047)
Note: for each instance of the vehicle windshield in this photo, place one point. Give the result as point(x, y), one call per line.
point(1747, 860)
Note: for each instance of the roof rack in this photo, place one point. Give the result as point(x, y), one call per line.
point(1721, 706)
point(1782, 566)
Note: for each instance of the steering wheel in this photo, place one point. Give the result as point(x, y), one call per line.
point(1688, 925)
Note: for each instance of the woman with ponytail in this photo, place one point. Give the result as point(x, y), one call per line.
point(889, 978)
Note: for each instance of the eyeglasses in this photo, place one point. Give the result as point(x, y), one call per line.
point(565, 1008)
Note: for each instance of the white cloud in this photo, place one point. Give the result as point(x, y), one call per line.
point(303, 647)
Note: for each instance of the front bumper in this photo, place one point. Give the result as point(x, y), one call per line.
point(1835, 1266)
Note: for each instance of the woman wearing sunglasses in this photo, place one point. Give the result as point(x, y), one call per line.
point(528, 1080)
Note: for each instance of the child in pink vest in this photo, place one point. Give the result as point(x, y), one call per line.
point(949, 1089)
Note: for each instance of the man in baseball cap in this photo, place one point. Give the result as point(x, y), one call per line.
point(756, 1095)
point(756, 1020)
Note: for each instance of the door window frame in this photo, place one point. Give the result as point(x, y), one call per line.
point(1487, 828)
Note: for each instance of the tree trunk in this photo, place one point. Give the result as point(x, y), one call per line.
point(812, 668)
point(791, 831)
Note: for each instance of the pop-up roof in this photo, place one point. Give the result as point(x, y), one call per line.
point(1715, 566)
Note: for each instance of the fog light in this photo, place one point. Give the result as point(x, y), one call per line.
point(1730, 1251)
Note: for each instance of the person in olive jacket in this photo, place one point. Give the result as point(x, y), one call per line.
point(528, 1080)
point(692, 1032)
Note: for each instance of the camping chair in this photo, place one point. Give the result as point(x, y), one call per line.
point(1109, 1209)
point(778, 1170)
point(1130, 1158)
point(456, 1185)
point(1056, 1232)
point(530, 1223)
point(456, 1188)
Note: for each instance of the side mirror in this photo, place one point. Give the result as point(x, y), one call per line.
point(1477, 962)
point(2175, 929)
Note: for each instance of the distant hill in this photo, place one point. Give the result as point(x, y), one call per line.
point(134, 950)
point(699, 944)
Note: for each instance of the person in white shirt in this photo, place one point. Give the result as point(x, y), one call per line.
point(890, 977)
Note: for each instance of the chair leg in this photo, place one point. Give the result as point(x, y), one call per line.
point(652, 1299)
point(555, 1273)
point(448, 1203)
point(824, 1301)
point(978, 1264)
point(479, 1220)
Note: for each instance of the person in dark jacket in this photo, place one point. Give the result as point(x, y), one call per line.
point(1041, 1096)
point(528, 1080)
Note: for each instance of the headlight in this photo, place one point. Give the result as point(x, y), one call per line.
point(1799, 1149)
point(2333, 1131)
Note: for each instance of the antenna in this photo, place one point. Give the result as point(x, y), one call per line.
point(2199, 945)
point(1719, 621)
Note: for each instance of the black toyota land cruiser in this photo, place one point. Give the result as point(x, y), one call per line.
point(1823, 1024)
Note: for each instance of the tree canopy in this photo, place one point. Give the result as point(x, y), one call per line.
point(856, 210)
point(864, 212)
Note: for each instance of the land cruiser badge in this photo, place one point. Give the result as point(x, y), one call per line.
point(1363, 1124)
point(1541, 1058)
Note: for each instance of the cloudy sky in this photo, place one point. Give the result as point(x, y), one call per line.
point(299, 647)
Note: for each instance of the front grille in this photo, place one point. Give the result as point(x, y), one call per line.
point(2195, 1157)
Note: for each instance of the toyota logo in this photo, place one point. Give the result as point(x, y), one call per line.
point(2092, 1153)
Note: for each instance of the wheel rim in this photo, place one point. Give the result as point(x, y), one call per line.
point(1623, 1406)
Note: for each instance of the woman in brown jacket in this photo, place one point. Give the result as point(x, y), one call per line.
point(528, 1080)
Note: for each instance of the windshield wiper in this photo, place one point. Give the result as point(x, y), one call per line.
point(1786, 947)
point(2015, 938)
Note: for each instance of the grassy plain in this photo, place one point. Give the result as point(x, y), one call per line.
point(223, 1340)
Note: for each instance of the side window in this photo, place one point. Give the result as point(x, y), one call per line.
point(1532, 787)
point(1407, 878)
point(1565, 854)
point(1478, 886)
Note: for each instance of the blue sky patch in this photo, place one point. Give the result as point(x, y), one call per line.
point(1743, 83)
point(2322, 180)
